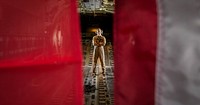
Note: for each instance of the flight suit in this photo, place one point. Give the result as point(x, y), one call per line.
point(98, 42)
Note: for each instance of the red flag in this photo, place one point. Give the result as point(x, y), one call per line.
point(156, 50)
point(135, 35)
point(40, 53)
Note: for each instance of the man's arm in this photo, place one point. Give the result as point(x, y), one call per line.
point(94, 43)
point(103, 42)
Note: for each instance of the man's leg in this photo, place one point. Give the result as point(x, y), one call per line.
point(102, 63)
point(94, 64)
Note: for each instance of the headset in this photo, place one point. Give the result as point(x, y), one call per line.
point(99, 30)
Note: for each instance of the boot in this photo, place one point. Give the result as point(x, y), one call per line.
point(103, 71)
point(94, 72)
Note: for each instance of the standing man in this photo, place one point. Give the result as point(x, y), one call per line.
point(98, 42)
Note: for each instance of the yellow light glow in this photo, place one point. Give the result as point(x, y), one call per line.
point(93, 29)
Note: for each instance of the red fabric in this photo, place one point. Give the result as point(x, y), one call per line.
point(40, 53)
point(135, 38)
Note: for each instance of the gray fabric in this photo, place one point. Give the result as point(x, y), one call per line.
point(178, 62)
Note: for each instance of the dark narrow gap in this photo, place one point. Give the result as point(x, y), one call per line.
point(94, 14)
